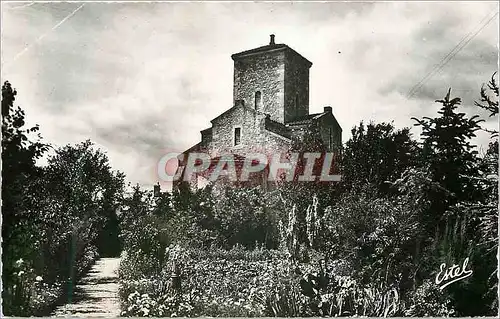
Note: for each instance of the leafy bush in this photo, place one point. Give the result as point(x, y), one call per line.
point(34, 294)
point(254, 283)
point(49, 213)
point(214, 283)
point(351, 259)
point(429, 301)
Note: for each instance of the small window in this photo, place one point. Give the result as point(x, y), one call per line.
point(258, 100)
point(330, 139)
point(237, 136)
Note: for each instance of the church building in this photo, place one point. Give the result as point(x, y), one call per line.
point(270, 109)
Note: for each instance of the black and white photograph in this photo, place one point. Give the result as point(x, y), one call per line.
point(250, 159)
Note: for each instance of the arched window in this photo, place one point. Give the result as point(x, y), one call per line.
point(258, 100)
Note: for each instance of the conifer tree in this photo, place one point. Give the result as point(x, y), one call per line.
point(449, 153)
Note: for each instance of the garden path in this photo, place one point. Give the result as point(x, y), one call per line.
point(96, 295)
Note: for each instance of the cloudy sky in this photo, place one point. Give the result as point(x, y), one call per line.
point(142, 79)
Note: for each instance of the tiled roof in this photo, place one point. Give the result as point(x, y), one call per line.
point(306, 119)
point(276, 127)
point(237, 105)
point(193, 148)
point(269, 47)
point(260, 49)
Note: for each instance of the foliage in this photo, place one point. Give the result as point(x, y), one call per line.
point(215, 282)
point(244, 218)
point(79, 195)
point(368, 246)
point(476, 221)
point(447, 147)
point(377, 154)
point(248, 283)
point(489, 102)
point(427, 300)
point(456, 212)
point(61, 209)
point(19, 175)
point(487, 180)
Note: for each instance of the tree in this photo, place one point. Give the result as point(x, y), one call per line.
point(242, 218)
point(488, 102)
point(457, 206)
point(448, 151)
point(291, 200)
point(377, 154)
point(488, 180)
point(483, 212)
point(142, 231)
point(83, 195)
point(19, 180)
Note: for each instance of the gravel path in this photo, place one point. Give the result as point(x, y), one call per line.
point(97, 293)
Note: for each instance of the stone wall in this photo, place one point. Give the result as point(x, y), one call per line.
point(296, 86)
point(281, 76)
point(327, 125)
point(254, 137)
point(264, 73)
point(206, 137)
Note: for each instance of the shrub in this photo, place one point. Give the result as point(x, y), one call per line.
point(427, 300)
point(254, 283)
point(214, 283)
point(32, 294)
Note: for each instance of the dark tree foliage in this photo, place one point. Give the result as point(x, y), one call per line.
point(401, 210)
point(450, 155)
point(19, 176)
point(142, 228)
point(478, 219)
point(162, 204)
point(63, 210)
point(244, 218)
point(80, 179)
point(488, 102)
point(451, 226)
point(297, 195)
point(19, 155)
point(377, 154)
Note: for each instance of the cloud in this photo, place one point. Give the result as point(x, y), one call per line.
point(142, 79)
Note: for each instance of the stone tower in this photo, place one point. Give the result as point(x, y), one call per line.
point(273, 79)
point(270, 112)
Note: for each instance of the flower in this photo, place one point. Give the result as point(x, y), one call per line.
point(20, 273)
point(38, 278)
